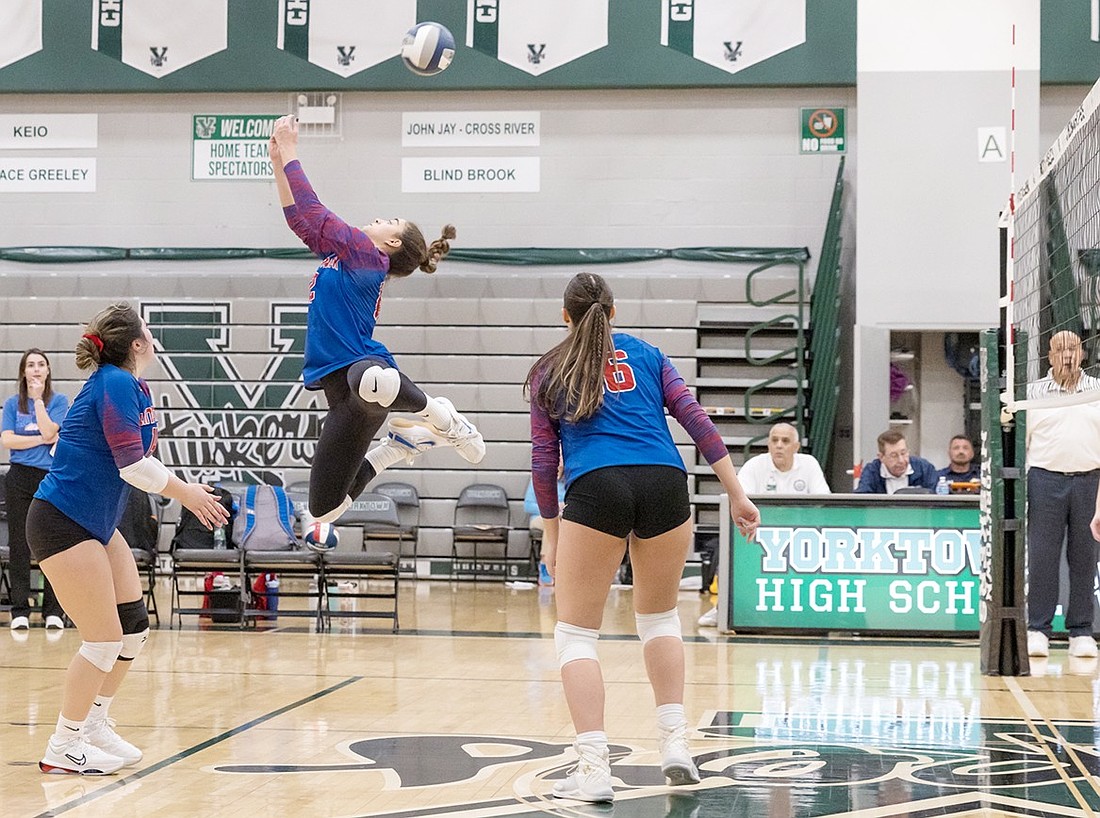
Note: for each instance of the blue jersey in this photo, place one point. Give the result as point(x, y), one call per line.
point(345, 295)
point(343, 309)
point(111, 425)
point(26, 423)
point(630, 428)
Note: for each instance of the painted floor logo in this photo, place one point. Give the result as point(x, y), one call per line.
point(834, 770)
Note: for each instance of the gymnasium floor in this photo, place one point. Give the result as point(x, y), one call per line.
point(462, 715)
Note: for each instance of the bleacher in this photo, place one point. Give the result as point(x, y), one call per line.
point(226, 385)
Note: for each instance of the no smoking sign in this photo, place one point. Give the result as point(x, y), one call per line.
point(822, 130)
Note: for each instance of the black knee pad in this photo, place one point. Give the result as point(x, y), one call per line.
point(134, 618)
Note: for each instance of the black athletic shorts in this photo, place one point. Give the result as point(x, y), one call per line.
point(50, 532)
point(648, 500)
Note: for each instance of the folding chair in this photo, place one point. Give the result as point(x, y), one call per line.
point(196, 563)
point(408, 513)
point(481, 517)
point(375, 558)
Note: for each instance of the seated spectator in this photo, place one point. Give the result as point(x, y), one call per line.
point(962, 467)
point(782, 470)
point(895, 468)
point(531, 506)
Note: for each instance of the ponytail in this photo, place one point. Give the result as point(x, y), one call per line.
point(568, 381)
point(108, 337)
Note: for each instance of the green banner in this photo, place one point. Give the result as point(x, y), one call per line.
point(843, 567)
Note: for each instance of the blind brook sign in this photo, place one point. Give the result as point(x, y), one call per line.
point(877, 578)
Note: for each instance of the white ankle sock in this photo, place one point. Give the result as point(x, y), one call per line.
point(436, 414)
point(593, 738)
point(67, 729)
point(670, 716)
point(100, 707)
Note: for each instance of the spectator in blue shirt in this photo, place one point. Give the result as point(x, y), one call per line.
point(31, 421)
point(962, 467)
point(895, 468)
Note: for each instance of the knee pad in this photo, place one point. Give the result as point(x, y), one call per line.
point(334, 515)
point(653, 626)
point(101, 654)
point(379, 385)
point(574, 642)
point(134, 618)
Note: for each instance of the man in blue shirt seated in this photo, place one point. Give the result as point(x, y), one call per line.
point(895, 468)
point(962, 468)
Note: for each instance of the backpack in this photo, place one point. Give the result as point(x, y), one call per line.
point(191, 533)
point(265, 521)
point(138, 525)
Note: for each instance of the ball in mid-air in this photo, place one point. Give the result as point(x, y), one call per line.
point(427, 49)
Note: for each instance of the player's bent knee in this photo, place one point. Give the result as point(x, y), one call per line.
point(134, 618)
point(656, 625)
point(101, 654)
point(574, 642)
point(379, 385)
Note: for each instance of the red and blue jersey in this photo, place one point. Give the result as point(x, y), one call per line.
point(345, 295)
point(111, 425)
point(628, 430)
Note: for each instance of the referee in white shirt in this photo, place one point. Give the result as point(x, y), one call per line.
point(1063, 458)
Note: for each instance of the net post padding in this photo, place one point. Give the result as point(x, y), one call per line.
point(1002, 600)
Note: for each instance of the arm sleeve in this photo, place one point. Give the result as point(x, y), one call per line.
point(322, 231)
point(545, 451)
point(122, 421)
point(689, 414)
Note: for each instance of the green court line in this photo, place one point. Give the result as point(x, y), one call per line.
point(190, 751)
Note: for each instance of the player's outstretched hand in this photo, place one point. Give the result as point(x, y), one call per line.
point(285, 134)
point(746, 517)
point(203, 503)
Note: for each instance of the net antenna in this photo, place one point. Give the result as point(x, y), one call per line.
point(1052, 264)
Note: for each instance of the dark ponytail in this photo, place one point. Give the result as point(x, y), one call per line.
point(414, 253)
point(571, 375)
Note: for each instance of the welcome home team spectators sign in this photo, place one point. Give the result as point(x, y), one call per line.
point(231, 147)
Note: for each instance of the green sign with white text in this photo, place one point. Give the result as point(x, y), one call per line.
point(231, 146)
point(823, 130)
point(847, 567)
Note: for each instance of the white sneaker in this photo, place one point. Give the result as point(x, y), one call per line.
point(101, 733)
point(20, 623)
point(590, 780)
point(413, 438)
point(1083, 647)
point(463, 435)
point(55, 622)
point(1038, 644)
point(709, 619)
point(77, 756)
point(676, 761)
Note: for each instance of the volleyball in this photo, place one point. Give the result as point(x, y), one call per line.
point(427, 49)
point(321, 537)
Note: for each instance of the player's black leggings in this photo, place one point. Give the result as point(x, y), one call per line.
point(339, 469)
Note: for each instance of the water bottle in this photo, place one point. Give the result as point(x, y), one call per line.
point(771, 485)
point(942, 487)
point(219, 538)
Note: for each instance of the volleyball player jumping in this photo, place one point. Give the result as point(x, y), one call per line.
point(359, 376)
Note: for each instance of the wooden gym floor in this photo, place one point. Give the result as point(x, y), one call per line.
point(461, 714)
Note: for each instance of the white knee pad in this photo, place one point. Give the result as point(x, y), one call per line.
point(380, 385)
point(653, 626)
point(101, 654)
point(575, 643)
point(132, 643)
point(334, 515)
